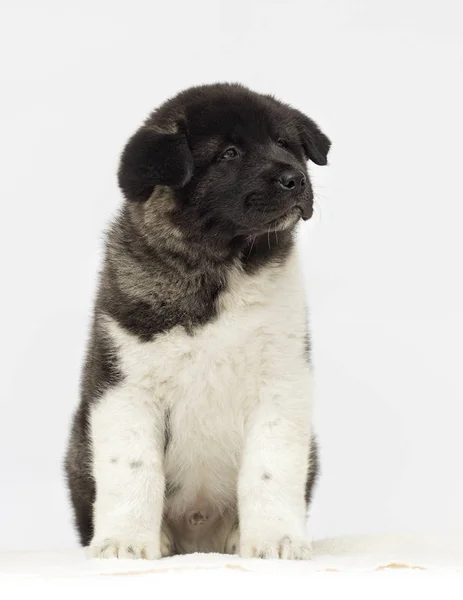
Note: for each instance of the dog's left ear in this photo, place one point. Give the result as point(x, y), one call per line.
point(151, 158)
point(315, 143)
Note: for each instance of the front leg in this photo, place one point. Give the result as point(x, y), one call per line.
point(127, 429)
point(271, 489)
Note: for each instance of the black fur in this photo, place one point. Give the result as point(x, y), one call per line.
point(205, 185)
point(151, 159)
point(313, 472)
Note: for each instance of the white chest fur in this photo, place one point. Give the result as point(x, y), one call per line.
point(208, 383)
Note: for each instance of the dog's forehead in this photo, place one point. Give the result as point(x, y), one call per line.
point(229, 118)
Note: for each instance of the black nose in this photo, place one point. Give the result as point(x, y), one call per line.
point(291, 180)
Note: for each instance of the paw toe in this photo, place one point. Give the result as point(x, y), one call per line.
point(285, 548)
point(110, 548)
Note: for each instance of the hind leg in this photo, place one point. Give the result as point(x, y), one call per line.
point(167, 540)
point(232, 545)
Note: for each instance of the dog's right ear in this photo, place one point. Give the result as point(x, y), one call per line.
point(151, 158)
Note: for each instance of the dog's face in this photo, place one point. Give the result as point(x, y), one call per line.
point(236, 160)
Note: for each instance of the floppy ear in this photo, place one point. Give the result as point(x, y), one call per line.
point(314, 142)
point(150, 159)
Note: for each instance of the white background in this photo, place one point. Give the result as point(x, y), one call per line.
point(382, 258)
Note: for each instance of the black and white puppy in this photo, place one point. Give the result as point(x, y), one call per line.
point(194, 427)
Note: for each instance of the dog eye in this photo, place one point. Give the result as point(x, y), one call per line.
point(230, 153)
point(282, 143)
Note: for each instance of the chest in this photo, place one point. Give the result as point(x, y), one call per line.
point(208, 382)
point(253, 311)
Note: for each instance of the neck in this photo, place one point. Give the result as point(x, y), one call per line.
point(165, 230)
point(157, 276)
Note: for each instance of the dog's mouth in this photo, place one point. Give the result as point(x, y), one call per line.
point(290, 217)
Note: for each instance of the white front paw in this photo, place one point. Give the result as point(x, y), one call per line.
point(124, 548)
point(284, 546)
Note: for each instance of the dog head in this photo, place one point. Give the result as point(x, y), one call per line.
point(236, 161)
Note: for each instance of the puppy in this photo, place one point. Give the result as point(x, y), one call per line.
point(193, 431)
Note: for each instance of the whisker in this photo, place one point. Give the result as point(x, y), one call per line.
point(252, 246)
point(322, 196)
point(318, 209)
point(319, 192)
